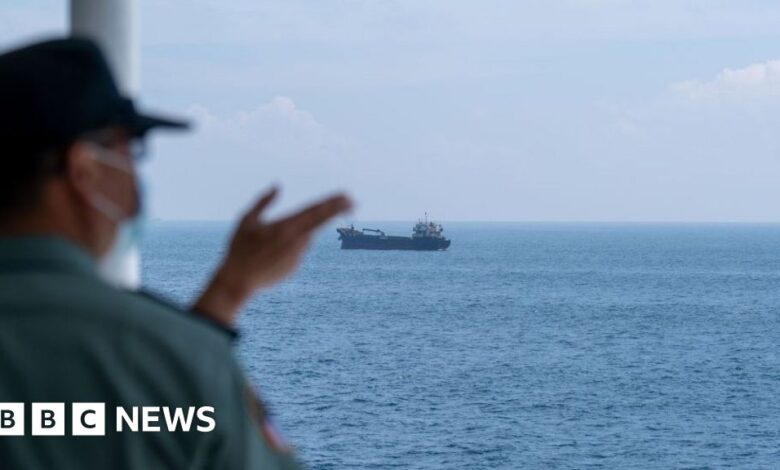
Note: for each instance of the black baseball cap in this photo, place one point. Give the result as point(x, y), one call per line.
point(54, 91)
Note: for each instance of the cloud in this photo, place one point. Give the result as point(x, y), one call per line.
point(755, 80)
point(230, 157)
point(279, 119)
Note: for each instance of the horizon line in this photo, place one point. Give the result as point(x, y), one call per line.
point(522, 221)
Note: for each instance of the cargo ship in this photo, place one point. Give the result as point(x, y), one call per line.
point(426, 236)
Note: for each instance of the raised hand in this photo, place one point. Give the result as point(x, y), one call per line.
point(263, 253)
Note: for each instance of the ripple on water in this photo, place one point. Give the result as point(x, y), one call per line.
point(524, 346)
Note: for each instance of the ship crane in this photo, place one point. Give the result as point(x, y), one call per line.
point(381, 233)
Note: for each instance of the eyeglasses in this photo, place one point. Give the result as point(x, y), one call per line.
point(138, 149)
point(117, 159)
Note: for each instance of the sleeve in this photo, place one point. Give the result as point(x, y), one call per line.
point(231, 332)
point(243, 436)
point(248, 437)
point(193, 312)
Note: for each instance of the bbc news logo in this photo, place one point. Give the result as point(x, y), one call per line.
point(89, 419)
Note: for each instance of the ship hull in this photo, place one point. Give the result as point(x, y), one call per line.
point(368, 242)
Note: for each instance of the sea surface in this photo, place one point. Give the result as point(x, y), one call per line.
point(524, 346)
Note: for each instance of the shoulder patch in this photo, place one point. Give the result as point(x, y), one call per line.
point(262, 421)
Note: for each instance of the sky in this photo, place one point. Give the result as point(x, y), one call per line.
point(480, 110)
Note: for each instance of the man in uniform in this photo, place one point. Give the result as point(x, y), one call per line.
point(67, 188)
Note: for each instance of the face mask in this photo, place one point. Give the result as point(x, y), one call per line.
point(120, 266)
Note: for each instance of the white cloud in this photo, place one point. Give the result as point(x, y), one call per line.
point(279, 119)
point(755, 80)
point(229, 158)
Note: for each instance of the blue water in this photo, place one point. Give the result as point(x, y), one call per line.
point(524, 346)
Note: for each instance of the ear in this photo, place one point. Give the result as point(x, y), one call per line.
point(81, 170)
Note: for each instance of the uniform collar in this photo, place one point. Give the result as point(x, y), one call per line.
point(44, 253)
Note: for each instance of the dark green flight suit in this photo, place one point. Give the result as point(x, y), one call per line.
point(66, 336)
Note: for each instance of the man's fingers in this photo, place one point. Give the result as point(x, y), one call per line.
point(254, 213)
point(315, 215)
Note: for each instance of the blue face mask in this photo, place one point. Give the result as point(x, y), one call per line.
point(121, 264)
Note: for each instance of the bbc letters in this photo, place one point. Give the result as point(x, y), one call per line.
point(89, 419)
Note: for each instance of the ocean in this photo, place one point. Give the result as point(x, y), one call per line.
point(561, 346)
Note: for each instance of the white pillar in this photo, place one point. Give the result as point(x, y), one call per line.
point(113, 24)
